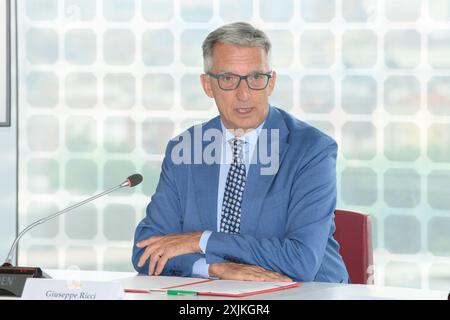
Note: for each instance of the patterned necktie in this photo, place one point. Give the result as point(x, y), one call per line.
point(234, 190)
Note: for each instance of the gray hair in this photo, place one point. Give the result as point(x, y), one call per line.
point(239, 34)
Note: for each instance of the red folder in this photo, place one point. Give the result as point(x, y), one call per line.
point(230, 288)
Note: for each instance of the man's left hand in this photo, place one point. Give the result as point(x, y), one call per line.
point(161, 248)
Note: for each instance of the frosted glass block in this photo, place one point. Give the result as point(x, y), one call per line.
point(402, 234)
point(317, 94)
point(324, 126)
point(81, 176)
point(81, 90)
point(41, 46)
point(439, 236)
point(438, 101)
point(42, 133)
point(41, 10)
point(81, 134)
point(119, 222)
point(402, 188)
point(317, 49)
point(359, 94)
point(187, 123)
point(402, 11)
point(439, 49)
point(401, 141)
point(281, 12)
point(118, 10)
point(439, 10)
point(119, 134)
point(402, 95)
point(359, 140)
point(42, 89)
point(119, 47)
point(156, 133)
point(119, 90)
point(117, 259)
point(151, 171)
point(43, 175)
point(196, 10)
point(80, 10)
point(439, 142)
point(37, 210)
point(80, 46)
point(115, 172)
point(158, 91)
point(282, 48)
point(359, 186)
point(439, 276)
point(157, 47)
point(157, 10)
point(82, 222)
point(192, 95)
point(437, 189)
point(402, 49)
point(283, 94)
point(83, 257)
point(403, 274)
point(317, 10)
point(359, 48)
point(236, 10)
point(190, 47)
point(359, 10)
point(44, 256)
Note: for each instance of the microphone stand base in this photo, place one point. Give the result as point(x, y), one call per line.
point(12, 279)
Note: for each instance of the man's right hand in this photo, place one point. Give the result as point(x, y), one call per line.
point(236, 271)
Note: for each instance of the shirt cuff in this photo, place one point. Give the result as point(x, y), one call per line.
point(200, 269)
point(204, 240)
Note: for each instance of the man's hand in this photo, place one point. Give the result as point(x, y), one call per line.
point(235, 271)
point(162, 248)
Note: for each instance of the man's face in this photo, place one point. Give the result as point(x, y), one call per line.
point(242, 108)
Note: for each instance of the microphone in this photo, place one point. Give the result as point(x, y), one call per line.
point(12, 279)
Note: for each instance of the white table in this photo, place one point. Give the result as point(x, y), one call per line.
point(307, 291)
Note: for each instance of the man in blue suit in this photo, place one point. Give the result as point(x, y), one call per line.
point(250, 194)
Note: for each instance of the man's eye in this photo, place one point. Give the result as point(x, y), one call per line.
point(227, 78)
point(256, 76)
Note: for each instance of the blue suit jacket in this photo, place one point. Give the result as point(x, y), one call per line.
point(287, 219)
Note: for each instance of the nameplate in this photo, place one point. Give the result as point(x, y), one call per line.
point(49, 289)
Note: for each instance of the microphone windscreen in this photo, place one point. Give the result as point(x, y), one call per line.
point(134, 180)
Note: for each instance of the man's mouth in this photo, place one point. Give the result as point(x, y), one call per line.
point(244, 111)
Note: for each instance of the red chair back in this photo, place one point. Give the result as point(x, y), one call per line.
point(354, 235)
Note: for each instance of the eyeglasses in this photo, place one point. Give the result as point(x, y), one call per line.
point(231, 81)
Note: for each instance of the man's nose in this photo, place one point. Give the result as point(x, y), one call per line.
point(243, 91)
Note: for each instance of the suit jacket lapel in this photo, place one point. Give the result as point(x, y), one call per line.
point(257, 184)
point(205, 180)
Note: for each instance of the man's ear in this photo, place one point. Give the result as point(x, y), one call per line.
point(206, 84)
point(272, 82)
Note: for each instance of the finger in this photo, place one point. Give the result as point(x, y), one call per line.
point(279, 277)
point(161, 263)
point(147, 242)
point(268, 275)
point(153, 261)
point(144, 257)
point(287, 279)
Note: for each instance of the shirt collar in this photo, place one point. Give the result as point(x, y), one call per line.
point(250, 137)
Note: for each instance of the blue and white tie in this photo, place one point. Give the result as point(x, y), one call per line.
point(234, 190)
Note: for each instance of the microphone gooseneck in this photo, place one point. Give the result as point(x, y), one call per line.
point(131, 181)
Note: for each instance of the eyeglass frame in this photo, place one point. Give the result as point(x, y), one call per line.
point(268, 74)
